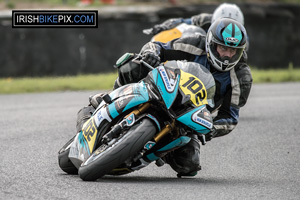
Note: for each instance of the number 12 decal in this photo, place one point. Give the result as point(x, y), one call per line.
point(90, 133)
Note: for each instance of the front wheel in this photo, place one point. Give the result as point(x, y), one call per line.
point(106, 158)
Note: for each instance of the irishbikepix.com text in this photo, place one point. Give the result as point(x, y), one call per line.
point(54, 19)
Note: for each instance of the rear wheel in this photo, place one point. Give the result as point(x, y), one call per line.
point(106, 158)
point(63, 159)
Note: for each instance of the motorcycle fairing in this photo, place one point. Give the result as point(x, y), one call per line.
point(89, 133)
point(167, 86)
point(128, 96)
point(85, 142)
point(193, 87)
point(79, 150)
point(123, 99)
point(179, 142)
point(101, 115)
point(195, 121)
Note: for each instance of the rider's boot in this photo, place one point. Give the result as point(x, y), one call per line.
point(186, 160)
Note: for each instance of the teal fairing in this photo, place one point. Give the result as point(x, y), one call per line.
point(173, 97)
point(168, 87)
point(197, 119)
point(201, 73)
point(124, 98)
point(167, 80)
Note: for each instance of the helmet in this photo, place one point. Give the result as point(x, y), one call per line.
point(228, 34)
point(228, 10)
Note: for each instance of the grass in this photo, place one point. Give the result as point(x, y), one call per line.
point(276, 75)
point(50, 84)
point(106, 81)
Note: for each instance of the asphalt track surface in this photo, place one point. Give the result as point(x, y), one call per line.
point(260, 159)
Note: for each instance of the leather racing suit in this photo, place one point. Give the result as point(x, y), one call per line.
point(232, 87)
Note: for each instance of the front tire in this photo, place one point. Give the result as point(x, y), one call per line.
point(104, 159)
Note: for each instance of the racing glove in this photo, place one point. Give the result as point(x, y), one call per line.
point(95, 100)
point(150, 55)
point(151, 58)
point(210, 135)
point(202, 20)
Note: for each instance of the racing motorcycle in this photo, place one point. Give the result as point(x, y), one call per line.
point(141, 122)
point(181, 30)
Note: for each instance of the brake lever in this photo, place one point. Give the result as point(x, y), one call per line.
point(147, 65)
point(138, 60)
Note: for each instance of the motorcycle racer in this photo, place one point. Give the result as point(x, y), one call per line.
point(202, 20)
point(221, 52)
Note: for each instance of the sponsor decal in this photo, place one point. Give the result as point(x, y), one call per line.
point(149, 145)
point(130, 120)
point(200, 120)
point(232, 39)
point(101, 115)
point(232, 35)
point(169, 83)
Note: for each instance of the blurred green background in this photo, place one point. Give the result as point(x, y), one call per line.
point(104, 81)
point(15, 4)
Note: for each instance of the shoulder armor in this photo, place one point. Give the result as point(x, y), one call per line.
point(191, 44)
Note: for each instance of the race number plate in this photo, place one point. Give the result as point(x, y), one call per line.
point(192, 86)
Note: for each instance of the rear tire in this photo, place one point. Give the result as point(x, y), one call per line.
point(63, 159)
point(102, 162)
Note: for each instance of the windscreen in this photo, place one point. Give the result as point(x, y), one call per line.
point(201, 73)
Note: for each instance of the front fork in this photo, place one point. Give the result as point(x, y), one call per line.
point(129, 120)
point(144, 158)
point(167, 129)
